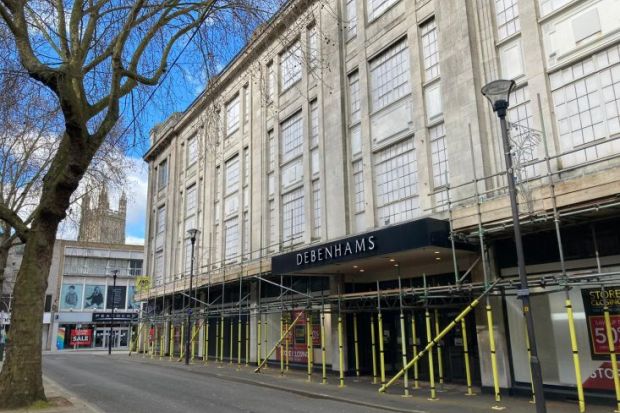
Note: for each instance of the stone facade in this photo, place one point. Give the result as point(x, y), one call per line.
point(99, 223)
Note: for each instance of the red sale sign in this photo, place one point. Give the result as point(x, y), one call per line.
point(298, 338)
point(81, 338)
point(600, 344)
point(602, 378)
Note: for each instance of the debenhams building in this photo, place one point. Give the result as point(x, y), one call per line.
point(345, 169)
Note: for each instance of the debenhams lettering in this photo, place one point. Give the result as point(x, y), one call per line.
point(338, 250)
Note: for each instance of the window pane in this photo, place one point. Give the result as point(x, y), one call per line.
point(316, 209)
point(232, 115)
point(351, 27)
point(439, 155)
point(354, 98)
point(507, 18)
point(291, 137)
point(389, 75)
point(231, 235)
point(192, 150)
point(430, 50)
point(291, 65)
point(293, 219)
point(377, 7)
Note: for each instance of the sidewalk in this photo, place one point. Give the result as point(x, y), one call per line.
point(59, 401)
point(361, 392)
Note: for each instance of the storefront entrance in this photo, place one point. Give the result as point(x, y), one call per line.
point(120, 337)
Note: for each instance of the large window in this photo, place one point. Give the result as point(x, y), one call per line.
point(232, 115)
point(439, 155)
point(161, 228)
point(293, 215)
point(507, 18)
point(430, 50)
point(291, 137)
point(359, 204)
point(316, 209)
point(231, 235)
point(192, 150)
point(162, 174)
point(586, 97)
point(396, 183)
point(389, 76)
point(351, 27)
point(190, 207)
point(159, 268)
point(272, 155)
point(272, 241)
point(290, 69)
point(232, 175)
point(354, 98)
point(313, 49)
point(547, 6)
point(271, 82)
point(377, 7)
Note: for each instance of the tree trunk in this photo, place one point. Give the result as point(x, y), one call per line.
point(21, 381)
point(4, 257)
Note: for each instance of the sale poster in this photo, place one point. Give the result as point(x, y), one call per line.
point(82, 337)
point(594, 300)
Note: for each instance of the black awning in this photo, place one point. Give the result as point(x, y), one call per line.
point(425, 232)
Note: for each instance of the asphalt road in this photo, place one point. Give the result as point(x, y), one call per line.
point(115, 384)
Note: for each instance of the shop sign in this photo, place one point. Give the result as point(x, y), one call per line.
point(593, 302)
point(115, 316)
point(81, 337)
point(602, 378)
point(297, 346)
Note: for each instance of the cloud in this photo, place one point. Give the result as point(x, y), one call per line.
point(134, 240)
point(137, 186)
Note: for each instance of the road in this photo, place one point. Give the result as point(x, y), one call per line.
point(117, 384)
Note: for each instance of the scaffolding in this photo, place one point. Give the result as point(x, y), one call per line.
point(470, 219)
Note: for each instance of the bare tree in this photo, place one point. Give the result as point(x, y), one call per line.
point(92, 55)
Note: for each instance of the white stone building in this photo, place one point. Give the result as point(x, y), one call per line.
point(346, 123)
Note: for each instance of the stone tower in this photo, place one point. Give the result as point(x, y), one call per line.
point(99, 223)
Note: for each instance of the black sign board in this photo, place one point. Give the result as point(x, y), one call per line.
point(116, 297)
point(594, 302)
point(410, 235)
point(117, 316)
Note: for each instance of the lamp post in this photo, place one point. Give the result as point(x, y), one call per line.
point(188, 334)
point(114, 274)
point(498, 93)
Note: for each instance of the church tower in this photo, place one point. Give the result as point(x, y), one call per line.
point(99, 223)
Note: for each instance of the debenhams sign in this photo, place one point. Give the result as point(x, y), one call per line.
point(335, 251)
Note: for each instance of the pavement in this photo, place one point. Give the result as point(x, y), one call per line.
point(96, 382)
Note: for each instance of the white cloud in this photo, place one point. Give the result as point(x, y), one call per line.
point(134, 240)
point(137, 185)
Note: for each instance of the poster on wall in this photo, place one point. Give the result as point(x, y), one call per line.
point(131, 298)
point(593, 303)
point(297, 347)
point(93, 296)
point(60, 338)
point(71, 297)
point(81, 337)
point(116, 296)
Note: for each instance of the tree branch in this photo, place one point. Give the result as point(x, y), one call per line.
point(15, 222)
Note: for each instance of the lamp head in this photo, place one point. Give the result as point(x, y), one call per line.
point(192, 233)
point(498, 94)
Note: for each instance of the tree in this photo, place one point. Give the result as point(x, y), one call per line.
point(94, 56)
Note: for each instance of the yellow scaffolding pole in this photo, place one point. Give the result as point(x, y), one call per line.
point(381, 350)
point(466, 357)
point(171, 343)
point(144, 341)
point(247, 341)
point(258, 340)
point(232, 341)
point(282, 328)
point(217, 338)
point(135, 343)
point(194, 334)
point(414, 350)
point(323, 357)
point(340, 351)
point(431, 367)
point(612, 354)
point(265, 337)
point(162, 341)
point(439, 349)
point(575, 350)
point(152, 343)
point(239, 343)
point(181, 342)
point(529, 359)
point(403, 347)
point(205, 352)
point(433, 342)
point(286, 344)
point(489, 311)
point(356, 346)
point(260, 366)
point(222, 327)
point(309, 344)
point(373, 346)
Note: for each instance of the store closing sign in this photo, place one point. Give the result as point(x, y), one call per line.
point(297, 338)
point(594, 302)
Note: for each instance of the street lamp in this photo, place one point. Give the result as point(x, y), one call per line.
point(114, 274)
point(188, 334)
point(498, 94)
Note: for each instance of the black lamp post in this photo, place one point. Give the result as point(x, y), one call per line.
point(188, 334)
point(498, 93)
point(110, 336)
